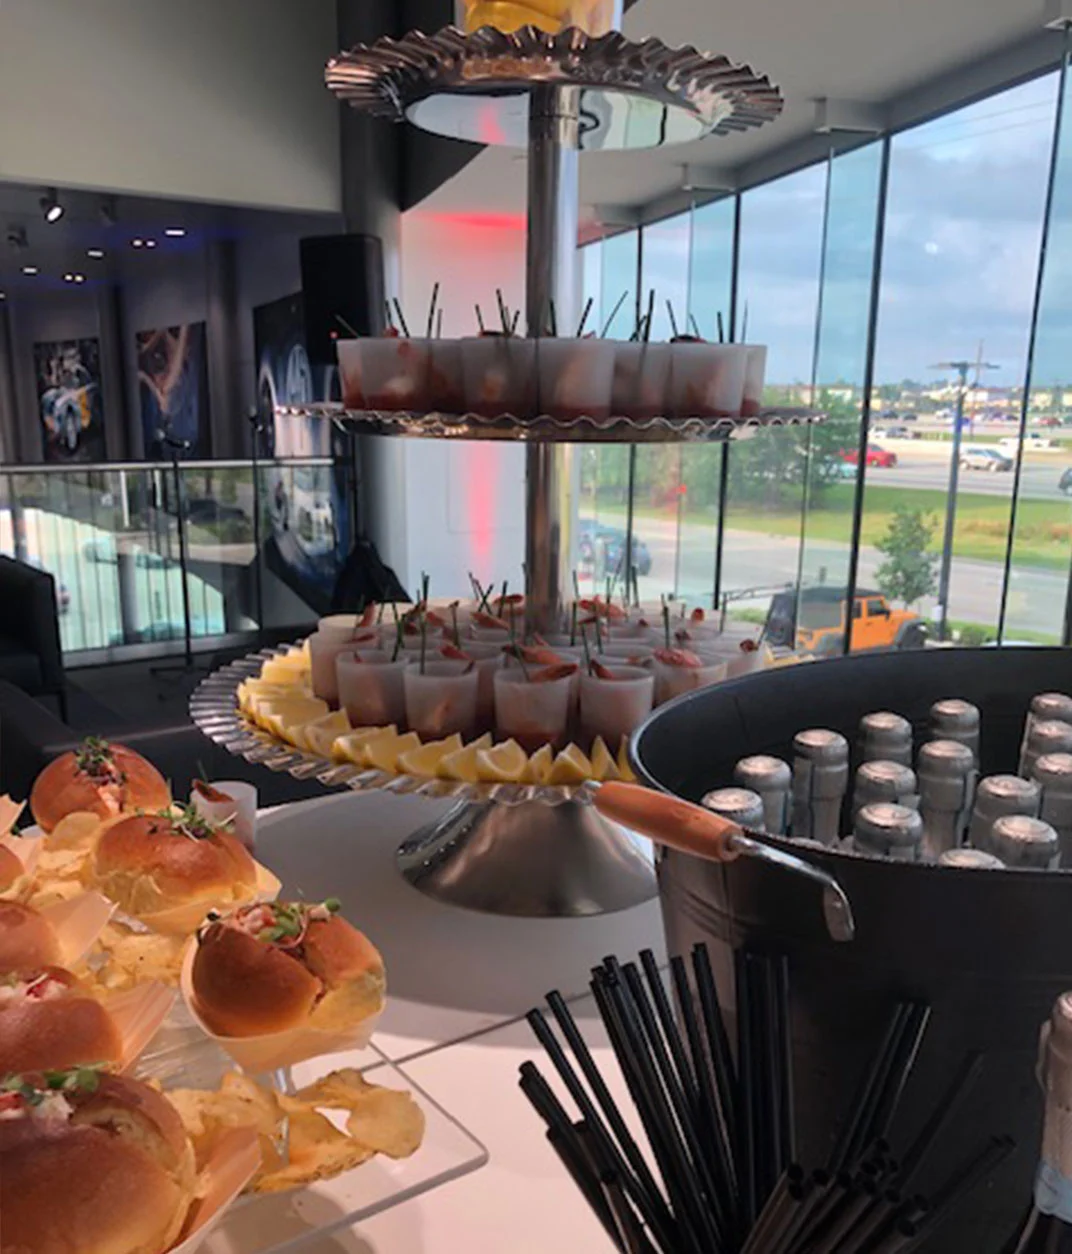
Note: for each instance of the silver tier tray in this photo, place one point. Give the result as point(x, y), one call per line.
point(214, 709)
point(476, 86)
point(546, 429)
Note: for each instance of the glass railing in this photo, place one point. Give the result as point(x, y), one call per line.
point(255, 547)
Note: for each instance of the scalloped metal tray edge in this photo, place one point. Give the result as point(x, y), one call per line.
point(214, 710)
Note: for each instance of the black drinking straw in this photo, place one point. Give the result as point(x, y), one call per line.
point(553, 317)
point(860, 1112)
point(649, 316)
point(424, 618)
point(584, 316)
point(502, 597)
point(504, 313)
point(902, 1066)
point(570, 1156)
point(744, 325)
point(944, 1111)
point(600, 1134)
point(514, 321)
point(673, 318)
point(398, 631)
point(787, 1101)
point(717, 1038)
point(346, 326)
point(594, 1077)
point(676, 1091)
point(669, 1026)
point(693, 1215)
point(721, 329)
point(454, 624)
point(390, 316)
point(629, 1235)
point(960, 1184)
point(432, 308)
point(613, 315)
point(711, 1102)
point(480, 319)
point(401, 318)
point(695, 326)
point(748, 1167)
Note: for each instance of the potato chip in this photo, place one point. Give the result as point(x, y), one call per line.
point(388, 1122)
point(317, 1150)
point(239, 1104)
point(339, 1090)
point(76, 831)
point(123, 959)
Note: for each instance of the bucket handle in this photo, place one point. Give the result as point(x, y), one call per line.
point(691, 829)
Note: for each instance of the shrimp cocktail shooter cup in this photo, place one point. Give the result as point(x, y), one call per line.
point(533, 705)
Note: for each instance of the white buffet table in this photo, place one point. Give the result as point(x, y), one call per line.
point(459, 986)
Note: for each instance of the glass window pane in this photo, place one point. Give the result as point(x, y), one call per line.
point(963, 226)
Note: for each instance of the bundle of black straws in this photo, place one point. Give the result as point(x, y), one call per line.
point(708, 1163)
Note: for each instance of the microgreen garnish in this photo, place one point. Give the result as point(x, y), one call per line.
point(93, 757)
point(189, 823)
point(33, 1090)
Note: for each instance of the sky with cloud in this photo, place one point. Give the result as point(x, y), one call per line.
point(963, 231)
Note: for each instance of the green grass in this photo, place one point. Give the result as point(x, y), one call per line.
point(1043, 528)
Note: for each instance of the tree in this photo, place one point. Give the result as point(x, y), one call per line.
point(908, 572)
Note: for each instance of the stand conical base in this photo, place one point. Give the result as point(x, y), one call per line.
point(532, 860)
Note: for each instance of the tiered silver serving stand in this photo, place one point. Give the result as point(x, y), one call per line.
point(509, 849)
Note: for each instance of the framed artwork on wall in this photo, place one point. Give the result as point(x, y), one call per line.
point(173, 385)
point(68, 379)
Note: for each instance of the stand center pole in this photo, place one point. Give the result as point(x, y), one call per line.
point(551, 283)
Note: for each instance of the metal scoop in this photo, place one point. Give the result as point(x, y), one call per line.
point(691, 829)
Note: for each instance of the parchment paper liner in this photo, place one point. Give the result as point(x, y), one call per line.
point(77, 924)
point(138, 1015)
point(275, 1050)
point(27, 850)
point(182, 920)
point(9, 813)
point(235, 1160)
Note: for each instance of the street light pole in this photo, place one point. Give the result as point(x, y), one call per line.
point(946, 570)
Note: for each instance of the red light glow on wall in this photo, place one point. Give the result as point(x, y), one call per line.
point(482, 502)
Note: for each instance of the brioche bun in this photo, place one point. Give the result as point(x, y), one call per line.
point(116, 1177)
point(150, 862)
point(66, 1028)
point(63, 787)
point(27, 939)
point(246, 986)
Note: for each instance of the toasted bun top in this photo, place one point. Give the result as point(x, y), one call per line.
point(179, 865)
point(108, 781)
point(11, 868)
point(245, 985)
point(49, 1023)
point(27, 940)
point(114, 1178)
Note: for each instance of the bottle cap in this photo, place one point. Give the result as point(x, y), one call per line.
point(1050, 735)
point(889, 830)
point(954, 715)
point(762, 772)
point(1052, 705)
point(1007, 794)
point(1053, 769)
point(891, 777)
point(739, 805)
point(970, 859)
point(1022, 841)
point(948, 759)
point(821, 746)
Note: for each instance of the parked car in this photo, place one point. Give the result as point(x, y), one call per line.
point(895, 432)
point(985, 459)
point(1034, 443)
point(597, 540)
point(817, 620)
point(876, 456)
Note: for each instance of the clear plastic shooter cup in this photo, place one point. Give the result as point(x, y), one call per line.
point(325, 645)
point(371, 687)
point(442, 700)
point(500, 375)
point(237, 804)
point(349, 355)
point(446, 377)
point(754, 378)
point(575, 377)
point(394, 372)
point(641, 380)
point(532, 712)
point(615, 707)
point(707, 380)
point(672, 679)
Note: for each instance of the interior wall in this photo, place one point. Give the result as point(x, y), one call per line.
point(230, 99)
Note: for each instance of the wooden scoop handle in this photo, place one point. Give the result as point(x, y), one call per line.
point(669, 820)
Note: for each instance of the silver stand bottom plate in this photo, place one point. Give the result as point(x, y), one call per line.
point(530, 860)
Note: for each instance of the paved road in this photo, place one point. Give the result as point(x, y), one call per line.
point(751, 559)
point(925, 464)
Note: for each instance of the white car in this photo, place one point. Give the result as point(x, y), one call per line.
point(1034, 443)
point(985, 459)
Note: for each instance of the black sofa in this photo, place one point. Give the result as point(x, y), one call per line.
point(31, 736)
point(30, 654)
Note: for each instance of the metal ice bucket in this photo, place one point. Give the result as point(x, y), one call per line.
point(990, 950)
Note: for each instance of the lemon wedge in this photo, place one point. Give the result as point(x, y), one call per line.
point(539, 766)
point(350, 746)
point(285, 717)
point(625, 771)
point(426, 759)
point(288, 669)
point(505, 764)
point(319, 735)
point(462, 765)
point(570, 767)
point(383, 752)
point(603, 763)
